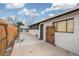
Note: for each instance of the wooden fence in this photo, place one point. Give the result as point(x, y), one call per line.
point(8, 33)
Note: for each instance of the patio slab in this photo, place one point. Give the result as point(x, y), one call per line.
point(31, 46)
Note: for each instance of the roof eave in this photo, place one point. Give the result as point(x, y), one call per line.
point(56, 16)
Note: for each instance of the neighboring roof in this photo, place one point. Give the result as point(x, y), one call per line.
point(66, 12)
point(24, 27)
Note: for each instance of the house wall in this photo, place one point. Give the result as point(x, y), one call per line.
point(24, 28)
point(34, 32)
point(68, 41)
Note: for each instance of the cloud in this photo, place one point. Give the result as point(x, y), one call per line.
point(24, 11)
point(34, 10)
point(14, 5)
point(29, 12)
point(61, 2)
point(59, 6)
point(50, 15)
point(63, 6)
point(42, 12)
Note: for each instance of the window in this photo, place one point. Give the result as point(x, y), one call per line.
point(64, 26)
point(70, 26)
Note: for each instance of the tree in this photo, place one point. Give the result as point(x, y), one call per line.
point(19, 24)
point(29, 14)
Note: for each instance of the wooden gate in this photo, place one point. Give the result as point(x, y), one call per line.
point(50, 34)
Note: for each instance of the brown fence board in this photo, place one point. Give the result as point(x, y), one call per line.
point(7, 35)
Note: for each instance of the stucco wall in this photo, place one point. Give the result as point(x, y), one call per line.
point(34, 32)
point(68, 41)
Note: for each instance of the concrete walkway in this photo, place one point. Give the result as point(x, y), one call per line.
point(31, 46)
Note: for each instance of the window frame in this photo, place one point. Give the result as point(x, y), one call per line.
point(66, 25)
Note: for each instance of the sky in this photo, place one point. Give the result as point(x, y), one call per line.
point(33, 12)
